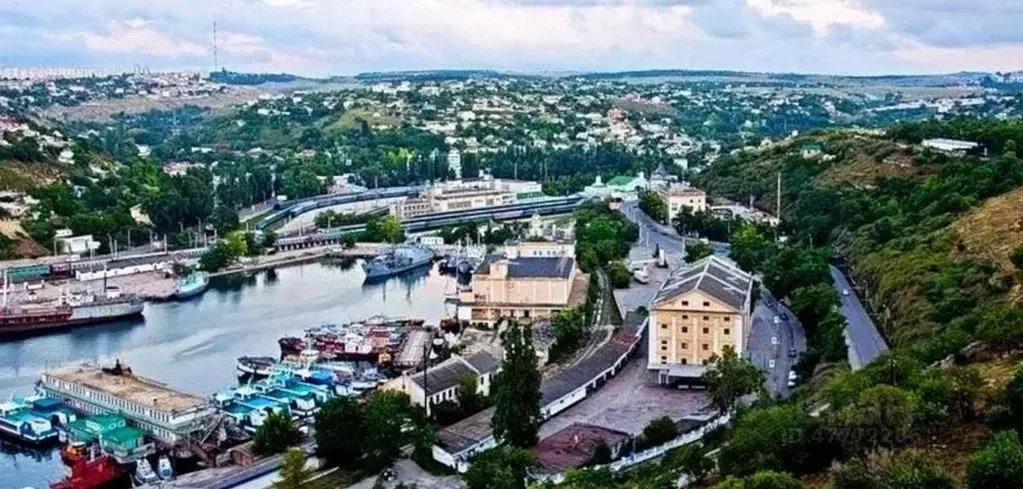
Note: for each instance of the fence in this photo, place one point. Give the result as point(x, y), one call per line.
point(651, 453)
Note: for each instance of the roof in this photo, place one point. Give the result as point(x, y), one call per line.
point(713, 275)
point(448, 373)
point(466, 433)
point(575, 446)
point(122, 436)
point(132, 388)
point(531, 267)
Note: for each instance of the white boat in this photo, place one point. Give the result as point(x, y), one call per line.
point(144, 473)
point(164, 469)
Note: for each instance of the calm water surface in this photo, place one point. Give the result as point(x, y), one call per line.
point(192, 345)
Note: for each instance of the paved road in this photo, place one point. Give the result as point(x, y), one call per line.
point(769, 342)
point(865, 342)
point(651, 233)
point(409, 473)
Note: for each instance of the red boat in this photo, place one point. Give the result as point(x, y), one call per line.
point(102, 472)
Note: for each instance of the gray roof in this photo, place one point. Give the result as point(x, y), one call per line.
point(713, 275)
point(446, 374)
point(483, 362)
point(532, 267)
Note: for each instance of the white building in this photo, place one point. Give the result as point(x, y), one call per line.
point(455, 163)
point(950, 145)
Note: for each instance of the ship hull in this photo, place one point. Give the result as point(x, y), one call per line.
point(81, 317)
point(374, 275)
point(36, 442)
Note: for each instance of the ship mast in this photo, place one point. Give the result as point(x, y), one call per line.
point(5, 288)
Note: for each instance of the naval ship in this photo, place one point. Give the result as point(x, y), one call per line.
point(401, 259)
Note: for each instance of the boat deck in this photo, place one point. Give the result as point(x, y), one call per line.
point(131, 388)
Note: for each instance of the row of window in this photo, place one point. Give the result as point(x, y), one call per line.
point(111, 402)
point(685, 346)
point(705, 303)
point(685, 329)
point(664, 359)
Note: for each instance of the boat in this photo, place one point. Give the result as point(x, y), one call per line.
point(100, 472)
point(255, 366)
point(164, 468)
point(400, 259)
point(19, 423)
point(72, 310)
point(144, 473)
point(191, 286)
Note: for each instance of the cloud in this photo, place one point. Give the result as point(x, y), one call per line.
point(337, 37)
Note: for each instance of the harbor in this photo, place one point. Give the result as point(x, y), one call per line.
point(191, 346)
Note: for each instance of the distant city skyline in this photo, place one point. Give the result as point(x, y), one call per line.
point(323, 37)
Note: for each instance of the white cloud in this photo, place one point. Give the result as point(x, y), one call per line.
point(136, 37)
point(821, 14)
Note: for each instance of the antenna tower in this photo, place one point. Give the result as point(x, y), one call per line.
point(215, 60)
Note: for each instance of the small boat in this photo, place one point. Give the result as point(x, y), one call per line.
point(191, 286)
point(256, 366)
point(144, 473)
point(19, 423)
point(164, 469)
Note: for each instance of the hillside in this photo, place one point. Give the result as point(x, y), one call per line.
point(17, 175)
point(926, 235)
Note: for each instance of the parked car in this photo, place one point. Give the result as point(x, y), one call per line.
point(793, 353)
point(845, 291)
point(792, 378)
point(784, 316)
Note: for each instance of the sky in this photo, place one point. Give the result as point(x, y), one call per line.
point(343, 37)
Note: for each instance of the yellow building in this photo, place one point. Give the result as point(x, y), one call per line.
point(678, 197)
point(525, 287)
point(699, 311)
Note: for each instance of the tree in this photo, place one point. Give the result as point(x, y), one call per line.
point(654, 206)
point(912, 470)
point(659, 431)
point(999, 465)
point(269, 239)
point(812, 303)
point(218, 256)
point(468, 396)
point(619, 274)
point(568, 328)
point(517, 390)
point(275, 435)
point(762, 480)
point(293, 470)
point(697, 250)
point(690, 460)
point(783, 438)
point(730, 377)
point(503, 467)
point(384, 416)
point(1017, 257)
point(385, 230)
point(340, 432)
point(224, 219)
point(881, 416)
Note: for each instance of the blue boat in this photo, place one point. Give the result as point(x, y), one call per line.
point(21, 424)
point(191, 286)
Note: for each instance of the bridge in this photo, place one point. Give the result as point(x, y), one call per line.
point(554, 206)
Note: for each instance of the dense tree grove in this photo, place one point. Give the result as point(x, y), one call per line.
point(601, 235)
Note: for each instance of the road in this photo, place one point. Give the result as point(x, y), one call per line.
point(865, 342)
point(768, 344)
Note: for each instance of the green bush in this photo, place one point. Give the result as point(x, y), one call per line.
point(999, 465)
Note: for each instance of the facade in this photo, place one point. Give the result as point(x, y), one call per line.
point(812, 150)
point(455, 163)
point(678, 197)
point(440, 382)
point(699, 311)
point(541, 249)
point(461, 195)
point(524, 287)
point(164, 413)
point(617, 186)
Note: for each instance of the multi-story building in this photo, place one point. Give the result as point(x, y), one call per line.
point(678, 197)
point(440, 383)
point(166, 414)
point(458, 195)
point(455, 163)
point(700, 310)
point(514, 286)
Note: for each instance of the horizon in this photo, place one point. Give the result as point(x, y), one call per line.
point(318, 38)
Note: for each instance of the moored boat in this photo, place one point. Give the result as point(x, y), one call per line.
point(192, 286)
point(73, 310)
point(255, 366)
point(401, 259)
point(96, 473)
point(19, 423)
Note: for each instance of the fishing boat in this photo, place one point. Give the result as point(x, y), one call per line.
point(192, 286)
point(100, 472)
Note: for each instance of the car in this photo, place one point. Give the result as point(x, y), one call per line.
point(777, 320)
point(845, 291)
point(388, 474)
point(792, 378)
point(784, 316)
point(793, 353)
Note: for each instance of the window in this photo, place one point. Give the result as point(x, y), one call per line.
point(685, 346)
point(705, 362)
point(706, 304)
point(728, 318)
point(664, 359)
point(706, 318)
point(728, 331)
point(706, 347)
point(706, 330)
point(685, 303)
point(684, 361)
point(664, 326)
point(685, 329)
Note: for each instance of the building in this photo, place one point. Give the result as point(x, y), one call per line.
point(460, 195)
point(954, 146)
point(513, 286)
point(455, 163)
point(76, 245)
point(617, 186)
point(678, 197)
point(699, 311)
point(164, 413)
point(812, 150)
point(440, 382)
point(541, 249)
